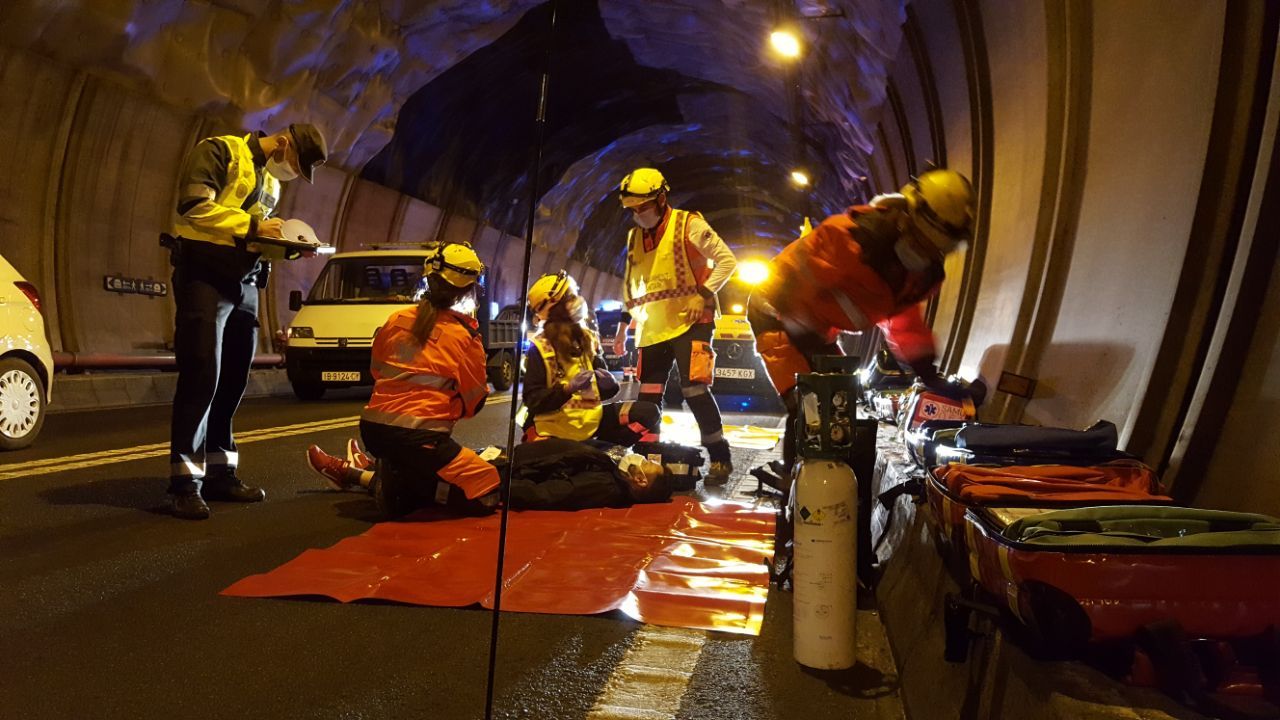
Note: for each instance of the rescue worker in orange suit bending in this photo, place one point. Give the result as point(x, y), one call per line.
point(871, 266)
point(675, 266)
point(566, 379)
point(429, 372)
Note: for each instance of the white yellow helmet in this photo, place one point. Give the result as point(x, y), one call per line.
point(941, 206)
point(456, 263)
point(641, 186)
point(549, 290)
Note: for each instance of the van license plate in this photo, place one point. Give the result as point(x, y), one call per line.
point(738, 373)
point(330, 376)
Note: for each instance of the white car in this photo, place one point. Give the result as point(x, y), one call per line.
point(26, 364)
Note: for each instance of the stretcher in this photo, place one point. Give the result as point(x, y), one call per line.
point(952, 490)
point(1184, 599)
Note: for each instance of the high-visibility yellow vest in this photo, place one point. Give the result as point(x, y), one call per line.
point(241, 179)
point(579, 418)
point(660, 283)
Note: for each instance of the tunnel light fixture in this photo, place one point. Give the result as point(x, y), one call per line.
point(800, 178)
point(753, 272)
point(785, 42)
point(737, 309)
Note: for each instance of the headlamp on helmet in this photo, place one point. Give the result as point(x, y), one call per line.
point(550, 290)
point(455, 263)
point(941, 207)
point(641, 186)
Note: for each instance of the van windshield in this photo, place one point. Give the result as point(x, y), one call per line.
point(389, 280)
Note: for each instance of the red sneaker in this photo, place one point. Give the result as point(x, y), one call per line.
point(357, 457)
point(335, 470)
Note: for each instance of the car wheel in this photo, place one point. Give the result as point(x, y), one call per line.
point(503, 374)
point(308, 391)
point(21, 404)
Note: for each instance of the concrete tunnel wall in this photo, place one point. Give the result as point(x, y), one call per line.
point(1099, 135)
point(92, 166)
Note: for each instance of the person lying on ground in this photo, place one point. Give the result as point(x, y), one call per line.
point(552, 474)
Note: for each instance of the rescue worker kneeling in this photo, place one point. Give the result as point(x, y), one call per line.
point(566, 379)
point(429, 372)
point(554, 474)
point(871, 266)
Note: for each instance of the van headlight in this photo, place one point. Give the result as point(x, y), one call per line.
point(299, 331)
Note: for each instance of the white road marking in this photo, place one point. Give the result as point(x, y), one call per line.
point(652, 677)
point(143, 452)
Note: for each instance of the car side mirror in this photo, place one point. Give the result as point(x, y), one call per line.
point(295, 300)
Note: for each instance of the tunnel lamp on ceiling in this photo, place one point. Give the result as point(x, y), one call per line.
point(800, 178)
point(753, 272)
point(785, 43)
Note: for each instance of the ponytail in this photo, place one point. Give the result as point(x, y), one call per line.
point(439, 295)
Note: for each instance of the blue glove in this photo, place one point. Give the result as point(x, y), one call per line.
point(580, 382)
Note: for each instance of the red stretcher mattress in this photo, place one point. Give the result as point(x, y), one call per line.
point(680, 564)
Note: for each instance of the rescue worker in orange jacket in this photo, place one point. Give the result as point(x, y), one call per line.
point(429, 372)
point(871, 266)
point(675, 266)
point(566, 379)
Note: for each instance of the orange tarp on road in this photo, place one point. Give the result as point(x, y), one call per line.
point(680, 564)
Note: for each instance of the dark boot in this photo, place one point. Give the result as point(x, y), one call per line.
point(226, 487)
point(188, 505)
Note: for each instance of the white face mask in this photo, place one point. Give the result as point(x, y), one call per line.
point(910, 256)
point(281, 171)
point(648, 218)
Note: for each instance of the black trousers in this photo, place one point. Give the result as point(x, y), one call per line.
point(809, 346)
point(627, 423)
point(655, 366)
point(215, 334)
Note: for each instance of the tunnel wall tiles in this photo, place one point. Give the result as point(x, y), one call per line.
point(1241, 474)
point(1126, 263)
point(114, 197)
point(1015, 34)
point(29, 145)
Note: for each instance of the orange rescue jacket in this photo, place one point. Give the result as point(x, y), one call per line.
point(845, 275)
point(427, 387)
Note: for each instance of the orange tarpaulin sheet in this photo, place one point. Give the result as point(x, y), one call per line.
point(681, 564)
point(980, 485)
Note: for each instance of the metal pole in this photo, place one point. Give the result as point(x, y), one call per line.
point(534, 171)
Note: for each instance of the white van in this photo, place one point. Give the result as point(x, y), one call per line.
point(26, 364)
point(329, 343)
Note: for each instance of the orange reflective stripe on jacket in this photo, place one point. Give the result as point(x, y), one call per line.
point(429, 386)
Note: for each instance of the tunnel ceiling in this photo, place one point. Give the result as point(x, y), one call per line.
point(437, 99)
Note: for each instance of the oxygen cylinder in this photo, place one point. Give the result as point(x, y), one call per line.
point(825, 572)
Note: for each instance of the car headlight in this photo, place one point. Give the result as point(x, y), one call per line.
point(299, 331)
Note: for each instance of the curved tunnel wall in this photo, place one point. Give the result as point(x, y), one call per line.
point(90, 183)
point(1112, 144)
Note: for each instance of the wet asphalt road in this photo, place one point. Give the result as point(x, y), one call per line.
point(109, 607)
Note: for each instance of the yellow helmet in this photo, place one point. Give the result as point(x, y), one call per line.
point(641, 186)
point(548, 290)
point(941, 206)
point(456, 263)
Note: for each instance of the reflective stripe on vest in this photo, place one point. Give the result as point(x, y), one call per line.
point(660, 283)
point(391, 372)
point(579, 418)
point(241, 180)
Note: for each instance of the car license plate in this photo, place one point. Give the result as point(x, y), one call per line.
point(737, 373)
point(331, 376)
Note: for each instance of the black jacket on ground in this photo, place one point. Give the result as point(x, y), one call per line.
point(559, 474)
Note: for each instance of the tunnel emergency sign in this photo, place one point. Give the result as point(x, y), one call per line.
point(136, 286)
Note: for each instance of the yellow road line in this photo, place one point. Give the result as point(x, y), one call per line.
point(143, 452)
point(652, 677)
